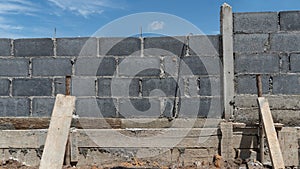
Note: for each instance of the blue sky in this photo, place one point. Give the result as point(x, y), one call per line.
point(74, 18)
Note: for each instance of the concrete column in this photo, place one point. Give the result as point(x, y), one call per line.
point(228, 63)
point(288, 141)
point(226, 142)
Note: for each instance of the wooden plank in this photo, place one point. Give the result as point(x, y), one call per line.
point(245, 131)
point(289, 145)
point(36, 138)
point(74, 146)
point(53, 154)
point(194, 139)
point(161, 142)
point(162, 138)
point(166, 123)
point(270, 132)
point(22, 138)
point(228, 62)
point(226, 141)
point(96, 123)
point(238, 125)
point(278, 126)
point(22, 123)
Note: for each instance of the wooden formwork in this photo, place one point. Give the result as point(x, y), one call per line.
point(100, 144)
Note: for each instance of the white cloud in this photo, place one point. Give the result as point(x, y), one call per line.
point(156, 25)
point(24, 2)
point(17, 7)
point(9, 27)
point(83, 7)
point(6, 27)
point(6, 34)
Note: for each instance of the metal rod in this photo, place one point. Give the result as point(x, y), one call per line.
point(68, 84)
point(259, 85)
point(262, 143)
point(260, 128)
point(176, 98)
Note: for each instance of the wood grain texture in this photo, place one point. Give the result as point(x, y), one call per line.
point(53, 154)
point(270, 132)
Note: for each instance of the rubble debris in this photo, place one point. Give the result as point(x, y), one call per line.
point(253, 164)
point(217, 161)
point(14, 164)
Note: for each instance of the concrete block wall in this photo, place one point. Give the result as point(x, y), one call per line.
point(112, 77)
point(138, 77)
point(109, 74)
point(267, 43)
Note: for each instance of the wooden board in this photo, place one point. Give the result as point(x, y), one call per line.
point(36, 138)
point(22, 138)
point(22, 123)
point(148, 138)
point(74, 147)
point(53, 154)
point(270, 132)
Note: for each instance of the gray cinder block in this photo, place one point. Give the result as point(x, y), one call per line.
point(51, 67)
point(33, 47)
point(14, 67)
point(32, 87)
point(255, 22)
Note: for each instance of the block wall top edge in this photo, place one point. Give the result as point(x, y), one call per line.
point(72, 38)
point(33, 39)
point(292, 11)
point(264, 12)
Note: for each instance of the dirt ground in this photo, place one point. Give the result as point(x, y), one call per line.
point(217, 164)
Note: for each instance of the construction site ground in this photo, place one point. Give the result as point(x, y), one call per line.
point(218, 163)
